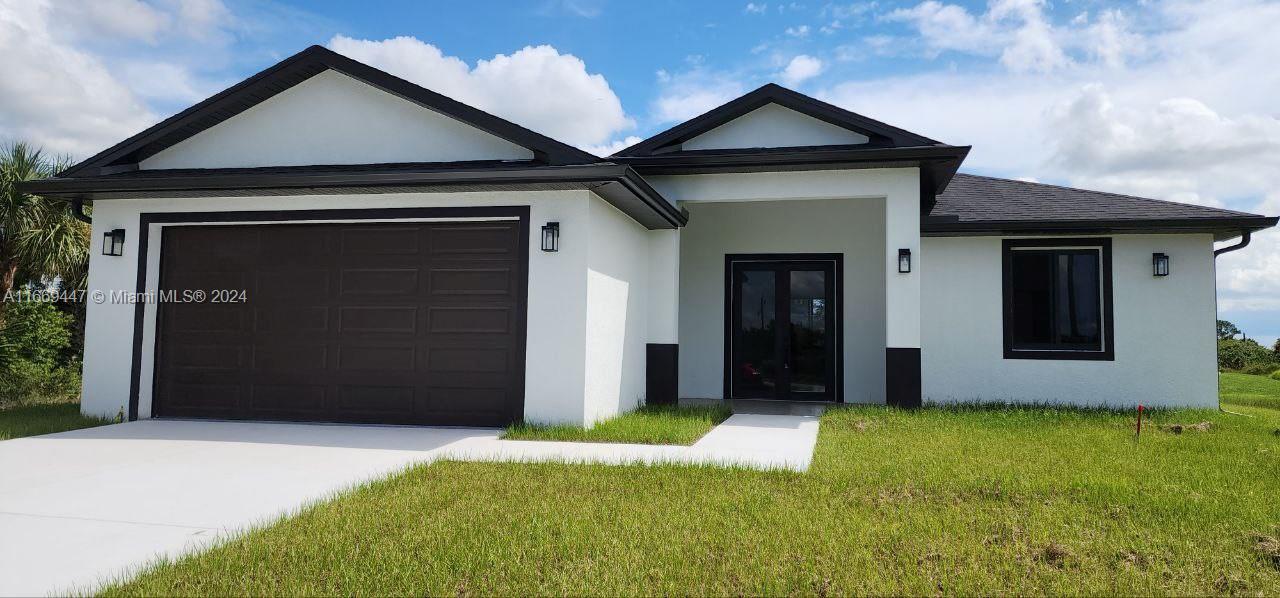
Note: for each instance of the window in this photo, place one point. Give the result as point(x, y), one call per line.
point(1057, 299)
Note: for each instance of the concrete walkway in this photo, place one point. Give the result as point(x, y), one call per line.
point(83, 507)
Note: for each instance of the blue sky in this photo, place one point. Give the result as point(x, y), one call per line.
point(1168, 99)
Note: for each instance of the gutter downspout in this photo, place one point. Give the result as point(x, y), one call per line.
point(1245, 237)
point(77, 210)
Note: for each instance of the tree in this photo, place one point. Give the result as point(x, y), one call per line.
point(1227, 330)
point(39, 237)
point(1275, 348)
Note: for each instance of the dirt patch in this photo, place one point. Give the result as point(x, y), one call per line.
point(1180, 428)
point(1054, 555)
point(1230, 583)
point(1134, 559)
point(862, 425)
point(1267, 547)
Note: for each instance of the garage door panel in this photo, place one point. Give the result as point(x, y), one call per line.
point(291, 357)
point(371, 358)
point(480, 241)
point(292, 319)
point(293, 286)
point(397, 282)
point(376, 399)
point(381, 240)
point(418, 323)
point(473, 282)
point(209, 357)
point(298, 399)
point(468, 359)
point(206, 317)
point(470, 320)
point(384, 319)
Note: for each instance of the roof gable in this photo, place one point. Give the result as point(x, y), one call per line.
point(878, 134)
point(332, 118)
point(773, 125)
point(289, 73)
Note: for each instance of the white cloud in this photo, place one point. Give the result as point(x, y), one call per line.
point(130, 19)
point(1182, 111)
point(800, 31)
point(55, 95)
point(617, 145)
point(1015, 30)
point(801, 69)
point(536, 86)
point(753, 8)
point(685, 95)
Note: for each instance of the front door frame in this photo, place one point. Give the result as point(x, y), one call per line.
point(837, 260)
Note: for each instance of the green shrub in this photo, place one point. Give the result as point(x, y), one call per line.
point(33, 338)
point(1275, 375)
point(1239, 354)
point(1260, 369)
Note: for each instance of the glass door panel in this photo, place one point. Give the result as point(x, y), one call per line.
point(808, 364)
point(783, 330)
point(756, 363)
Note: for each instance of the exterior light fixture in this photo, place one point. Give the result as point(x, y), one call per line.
point(113, 242)
point(1159, 264)
point(551, 236)
point(904, 261)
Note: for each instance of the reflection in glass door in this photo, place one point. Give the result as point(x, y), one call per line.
point(783, 337)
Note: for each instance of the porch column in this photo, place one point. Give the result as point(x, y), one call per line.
point(662, 349)
point(902, 294)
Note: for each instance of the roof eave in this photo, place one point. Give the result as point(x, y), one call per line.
point(618, 184)
point(1221, 228)
point(783, 159)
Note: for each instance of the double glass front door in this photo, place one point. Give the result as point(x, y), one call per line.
point(783, 329)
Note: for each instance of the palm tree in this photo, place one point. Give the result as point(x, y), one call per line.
point(39, 237)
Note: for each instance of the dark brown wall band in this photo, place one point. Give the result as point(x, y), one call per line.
point(662, 367)
point(902, 377)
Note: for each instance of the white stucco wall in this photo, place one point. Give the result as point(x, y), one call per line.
point(772, 125)
point(1165, 351)
point(334, 119)
point(617, 311)
point(853, 227)
point(556, 353)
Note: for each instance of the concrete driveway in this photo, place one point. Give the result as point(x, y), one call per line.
point(81, 507)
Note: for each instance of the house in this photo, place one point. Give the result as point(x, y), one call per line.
point(327, 242)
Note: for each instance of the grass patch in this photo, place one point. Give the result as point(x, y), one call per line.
point(650, 424)
point(1247, 389)
point(44, 418)
point(1009, 500)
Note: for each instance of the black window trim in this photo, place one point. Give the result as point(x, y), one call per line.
point(1008, 246)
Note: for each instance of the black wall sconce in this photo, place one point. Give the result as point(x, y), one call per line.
point(551, 236)
point(904, 261)
point(113, 242)
point(1159, 264)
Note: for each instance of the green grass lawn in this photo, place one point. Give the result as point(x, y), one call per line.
point(45, 418)
point(1254, 391)
point(651, 424)
point(955, 501)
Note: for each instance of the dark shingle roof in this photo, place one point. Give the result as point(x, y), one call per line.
point(977, 204)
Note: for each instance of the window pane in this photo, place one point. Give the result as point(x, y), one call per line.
point(1057, 299)
point(1032, 281)
point(1079, 303)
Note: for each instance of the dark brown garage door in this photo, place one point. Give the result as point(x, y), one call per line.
point(405, 323)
